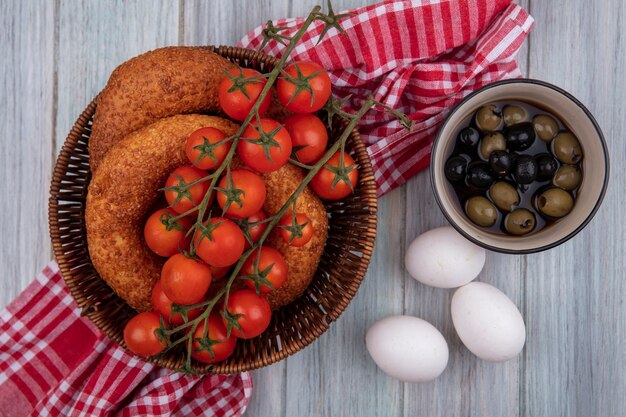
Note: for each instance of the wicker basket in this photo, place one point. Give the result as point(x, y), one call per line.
point(341, 269)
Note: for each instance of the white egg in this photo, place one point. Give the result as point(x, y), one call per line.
point(488, 322)
point(407, 348)
point(443, 258)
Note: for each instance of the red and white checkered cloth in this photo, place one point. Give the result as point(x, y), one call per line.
point(419, 57)
point(54, 362)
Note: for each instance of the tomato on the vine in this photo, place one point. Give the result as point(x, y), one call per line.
point(140, 334)
point(163, 235)
point(254, 225)
point(271, 269)
point(163, 305)
point(334, 182)
point(249, 311)
point(237, 93)
point(204, 150)
point(297, 234)
point(215, 347)
point(179, 195)
point(219, 242)
point(242, 195)
point(265, 147)
point(309, 137)
point(185, 280)
point(304, 87)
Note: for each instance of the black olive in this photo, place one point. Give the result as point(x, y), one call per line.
point(456, 168)
point(501, 162)
point(469, 137)
point(525, 170)
point(479, 175)
point(520, 136)
point(546, 166)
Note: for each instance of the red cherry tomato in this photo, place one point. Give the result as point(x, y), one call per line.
point(326, 184)
point(179, 199)
point(254, 230)
point(185, 280)
point(309, 137)
point(253, 147)
point(140, 334)
point(296, 234)
point(202, 150)
point(271, 267)
point(219, 242)
point(255, 313)
point(244, 194)
point(219, 272)
point(164, 236)
point(234, 102)
point(220, 348)
point(314, 92)
point(163, 305)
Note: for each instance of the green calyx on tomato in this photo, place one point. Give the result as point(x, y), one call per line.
point(207, 149)
point(205, 230)
point(267, 140)
point(170, 222)
point(259, 277)
point(231, 321)
point(240, 82)
point(231, 192)
point(302, 83)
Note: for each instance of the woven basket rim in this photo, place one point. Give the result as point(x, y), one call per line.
point(68, 269)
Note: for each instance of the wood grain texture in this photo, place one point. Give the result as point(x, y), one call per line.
point(572, 297)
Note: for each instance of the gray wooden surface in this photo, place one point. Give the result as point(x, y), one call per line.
point(56, 55)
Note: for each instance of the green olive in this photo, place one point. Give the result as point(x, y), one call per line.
point(555, 202)
point(491, 142)
point(545, 126)
point(513, 115)
point(481, 211)
point(520, 222)
point(487, 118)
point(504, 196)
point(566, 148)
point(567, 177)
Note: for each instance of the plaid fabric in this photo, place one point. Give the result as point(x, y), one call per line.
point(420, 57)
point(54, 362)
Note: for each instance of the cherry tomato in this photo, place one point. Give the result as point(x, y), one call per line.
point(219, 242)
point(314, 90)
point(308, 137)
point(222, 346)
point(185, 198)
point(255, 313)
point(140, 334)
point(219, 272)
point(271, 267)
point(232, 98)
point(244, 194)
point(202, 150)
point(254, 230)
point(185, 280)
point(253, 147)
point(323, 183)
point(296, 235)
point(164, 236)
point(163, 305)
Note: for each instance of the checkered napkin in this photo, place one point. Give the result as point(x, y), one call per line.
point(53, 362)
point(420, 57)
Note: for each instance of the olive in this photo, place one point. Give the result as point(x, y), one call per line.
point(546, 166)
point(455, 168)
point(479, 175)
point(567, 177)
point(491, 142)
point(504, 196)
point(545, 126)
point(520, 222)
point(520, 136)
point(468, 137)
point(555, 202)
point(501, 162)
point(513, 115)
point(481, 211)
point(566, 148)
point(488, 118)
point(525, 170)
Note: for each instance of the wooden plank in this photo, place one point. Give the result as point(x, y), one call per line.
point(575, 357)
point(26, 129)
